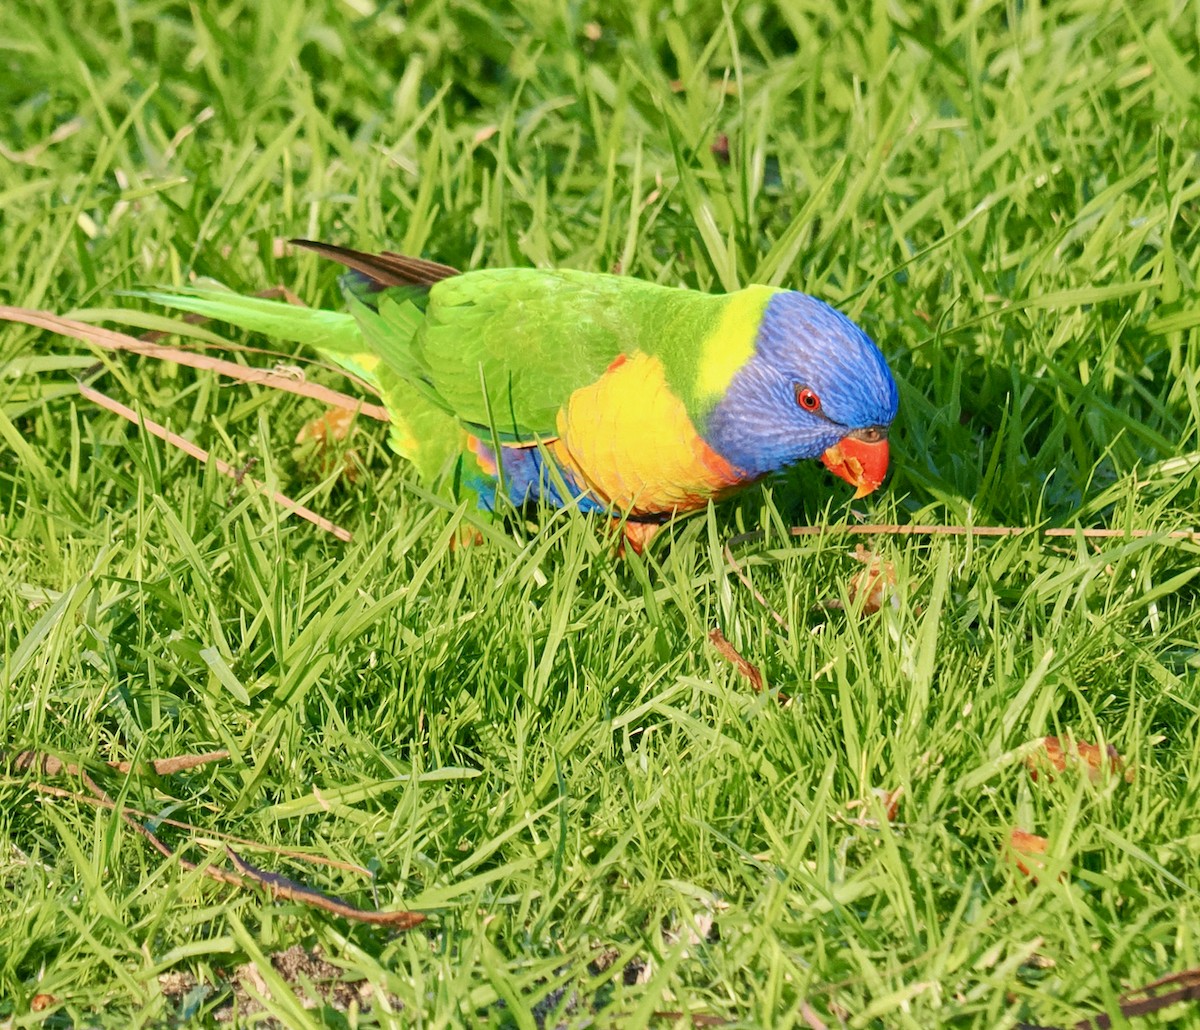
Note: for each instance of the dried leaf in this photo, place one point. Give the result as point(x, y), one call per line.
point(467, 536)
point(334, 425)
point(1023, 847)
point(325, 431)
point(872, 586)
point(888, 799)
point(1097, 763)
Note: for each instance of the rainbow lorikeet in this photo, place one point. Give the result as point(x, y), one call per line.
point(610, 393)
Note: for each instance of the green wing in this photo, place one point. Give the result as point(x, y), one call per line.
point(534, 337)
point(424, 429)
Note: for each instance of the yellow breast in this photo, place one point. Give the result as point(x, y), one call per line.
point(629, 440)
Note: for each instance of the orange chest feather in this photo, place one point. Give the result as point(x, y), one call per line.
point(628, 439)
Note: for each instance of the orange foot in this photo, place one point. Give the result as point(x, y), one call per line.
point(638, 535)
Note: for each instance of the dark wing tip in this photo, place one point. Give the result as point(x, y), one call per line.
point(386, 269)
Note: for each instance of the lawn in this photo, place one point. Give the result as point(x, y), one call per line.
point(533, 742)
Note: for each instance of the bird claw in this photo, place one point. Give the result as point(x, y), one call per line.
point(637, 536)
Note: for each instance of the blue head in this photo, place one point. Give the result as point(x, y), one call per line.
point(816, 386)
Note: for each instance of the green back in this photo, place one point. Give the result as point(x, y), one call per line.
point(534, 337)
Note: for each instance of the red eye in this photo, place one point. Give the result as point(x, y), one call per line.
point(807, 399)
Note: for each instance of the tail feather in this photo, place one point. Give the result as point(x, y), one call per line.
point(386, 269)
point(372, 342)
point(326, 330)
point(336, 335)
point(376, 340)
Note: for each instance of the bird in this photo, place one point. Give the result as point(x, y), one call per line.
point(626, 398)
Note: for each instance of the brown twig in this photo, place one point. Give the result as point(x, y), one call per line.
point(929, 529)
point(697, 1019)
point(169, 766)
point(809, 1015)
point(759, 596)
point(48, 765)
point(201, 455)
point(108, 339)
point(732, 655)
point(200, 831)
point(925, 529)
point(738, 571)
point(290, 890)
point(280, 887)
point(1186, 986)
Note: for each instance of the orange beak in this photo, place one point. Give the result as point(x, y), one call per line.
point(863, 465)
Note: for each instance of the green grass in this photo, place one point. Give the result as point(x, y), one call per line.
point(533, 741)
